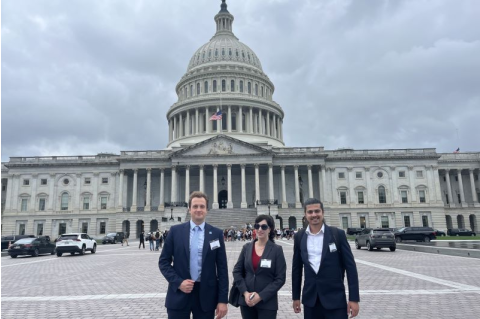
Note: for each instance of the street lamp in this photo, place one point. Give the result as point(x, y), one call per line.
point(171, 213)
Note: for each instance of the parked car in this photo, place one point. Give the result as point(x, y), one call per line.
point(376, 238)
point(75, 243)
point(113, 238)
point(354, 231)
point(32, 247)
point(13, 238)
point(440, 233)
point(425, 234)
point(460, 232)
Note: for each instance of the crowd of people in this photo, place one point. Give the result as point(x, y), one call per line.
point(248, 233)
point(155, 238)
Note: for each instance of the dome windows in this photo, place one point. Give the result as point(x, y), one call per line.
point(216, 52)
point(224, 85)
point(232, 86)
point(256, 89)
point(191, 90)
point(198, 88)
point(261, 90)
point(223, 51)
point(243, 55)
point(236, 51)
point(205, 87)
point(209, 54)
point(248, 54)
point(214, 85)
point(203, 55)
point(230, 51)
point(249, 88)
point(241, 86)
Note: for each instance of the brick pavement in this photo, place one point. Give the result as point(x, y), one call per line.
point(124, 282)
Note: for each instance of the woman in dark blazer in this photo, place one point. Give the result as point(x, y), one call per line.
point(260, 272)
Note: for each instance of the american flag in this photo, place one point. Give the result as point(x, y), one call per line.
point(457, 150)
point(216, 116)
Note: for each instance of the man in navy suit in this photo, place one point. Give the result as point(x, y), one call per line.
point(324, 254)
point(194, 262)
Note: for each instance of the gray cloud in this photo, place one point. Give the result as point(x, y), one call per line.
point(95, 76)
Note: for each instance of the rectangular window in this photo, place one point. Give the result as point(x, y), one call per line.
point(62, 228)
point(363, 222)
point(21, 229)
point(401, 174)
point(343, 198)
point(43, 181)
point(103, 202)
point(345, 222)
point(358, 174)
point(341, 175)
point(40, 230)
point(425, 221)
point(404, 196)
point(406, 221)
point(4, 188)
point(360, 198)
point(24, 204)
point(26, 182)
point(102, 227)
point(87, 181)
point(459, 199)
point(419, 174)
point(85, 227)
point(164, 219)
point(104, 180)
point(421, 194)
point(385, 223)
point(41, 204)
point(86, 202)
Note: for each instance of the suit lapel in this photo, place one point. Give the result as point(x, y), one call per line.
point(186, 240)
point(248, 258)
point(327, 238)
point(304, 250)
point(207, 237)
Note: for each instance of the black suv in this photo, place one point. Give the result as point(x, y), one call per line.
point(415, 233)
point(460, 232)
point(354, 231)
point(113, 238)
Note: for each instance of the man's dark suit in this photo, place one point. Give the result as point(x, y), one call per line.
point(328, 283)
point(266, 281)
point(214, 274)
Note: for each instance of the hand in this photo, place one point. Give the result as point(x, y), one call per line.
point(187, 286)
point(353, 308)
point(256, 299)
point(221, 310)
point(297, 308)
point(246, 295)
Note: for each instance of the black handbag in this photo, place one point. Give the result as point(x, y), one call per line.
point(234, 295)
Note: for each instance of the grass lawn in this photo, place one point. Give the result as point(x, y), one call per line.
point(458, 237)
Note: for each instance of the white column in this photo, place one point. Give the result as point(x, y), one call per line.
point(33, 195)
point(438, 190)
point(310, 181)
point(215, 190)
point(271, 195)
point(229, 119)
point(148, 190)
point(274, 123)
point(260, 122)
point(460, 185)
point(297, 189)
point(240, 127)
point(431, 194)
point(322, 183)
point(120, 191)
point(197, 130)
point(161, 205)
point(173, 198)
point(268, 123)
point(175, 131)
point(472, 186)
point(413, 191)
point(8, 193)
point(180, 130)
point(449, 188)
point(250, 129)
point(229, 185)
point(202, 183)
point(394, 185)
point(170, 130)
point(207, 120)
point(257, 185)
point(134, 195)
point(95, 191)
point(370, 190)
point(333, 179)
point(187, 183)
point(189, 125)
point(284, 190)
point(244, 193)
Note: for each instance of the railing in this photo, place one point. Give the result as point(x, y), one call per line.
point(145, 153)
point(140, 209)
point(418, 151)
point(267, 202)
point(176, 204)
point(154, 209)
point(126, 209)
point(289, 150)
point(43, 159)
point(459, 156)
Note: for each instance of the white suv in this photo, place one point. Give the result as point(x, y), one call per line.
point(75, 242)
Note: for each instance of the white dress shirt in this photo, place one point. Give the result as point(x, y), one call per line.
point(315, 247)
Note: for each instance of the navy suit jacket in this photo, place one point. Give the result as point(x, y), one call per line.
point(174, 264)
point(328, 283)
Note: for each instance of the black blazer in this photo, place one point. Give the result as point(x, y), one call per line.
point(266, 281)
point(174, 264)
point(328, 283)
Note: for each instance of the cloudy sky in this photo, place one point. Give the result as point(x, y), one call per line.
point(81, 77)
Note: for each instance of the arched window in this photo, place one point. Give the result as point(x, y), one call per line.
point(230, 51)
point(216, 52)
point(243, 55)
point(214, 85)
point(205, 87)
point(232, 86)
point(224, 85)
point(241, 86)
point(248, 54)
point(256, 89)
point(234, 121)
point(191, 90)
point(382, 196)
point(209, 54)
point(249, 88)
point(203, 57)
point(64, 202)
point(262, 91)
point(236, 51)
point(223, 51)
point(198, 88)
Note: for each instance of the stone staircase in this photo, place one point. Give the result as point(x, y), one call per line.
point(225, 218)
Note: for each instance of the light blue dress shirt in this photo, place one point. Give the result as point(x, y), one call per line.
point(201, 239)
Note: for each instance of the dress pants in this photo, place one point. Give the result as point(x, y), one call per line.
point(193, 307)
point(319, 312)
point(255, 313)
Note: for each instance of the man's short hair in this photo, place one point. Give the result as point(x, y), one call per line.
point(197, 194)
point(311, 201)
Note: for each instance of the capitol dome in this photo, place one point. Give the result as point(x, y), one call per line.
point(225, 78)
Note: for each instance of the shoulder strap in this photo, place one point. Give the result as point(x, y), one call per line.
point(335, 231)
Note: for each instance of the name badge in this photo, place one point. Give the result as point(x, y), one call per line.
point(266, 263)
point(214, 244)
point(333, 247)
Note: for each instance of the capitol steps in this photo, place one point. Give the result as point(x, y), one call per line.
point(226, 218)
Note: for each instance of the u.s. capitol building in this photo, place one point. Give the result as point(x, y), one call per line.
point(241, 162)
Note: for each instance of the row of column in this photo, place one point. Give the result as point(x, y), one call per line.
point(460, 184)
point(178, 127)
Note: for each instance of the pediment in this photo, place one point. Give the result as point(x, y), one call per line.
point(221, 145)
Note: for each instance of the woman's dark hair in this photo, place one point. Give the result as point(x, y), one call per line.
point(270, 223)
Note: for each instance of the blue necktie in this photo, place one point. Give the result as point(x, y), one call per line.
point(194, 254)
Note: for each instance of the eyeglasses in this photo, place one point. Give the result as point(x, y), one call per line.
point(263, 226)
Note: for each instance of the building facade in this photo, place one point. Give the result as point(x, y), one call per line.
point(241, 162)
